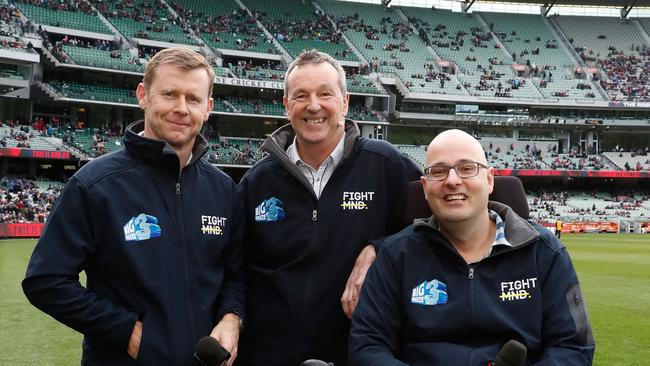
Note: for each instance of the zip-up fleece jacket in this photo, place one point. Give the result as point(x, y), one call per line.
point(301, 249)
point(157, 243)
point(422, 304)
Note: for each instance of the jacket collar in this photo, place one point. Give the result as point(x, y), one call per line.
point(158, 152)
point(518, 231)
point(281, 138)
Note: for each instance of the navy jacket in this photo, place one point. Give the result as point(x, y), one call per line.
point(421, 304)
point(302, 249)
point(178, 268)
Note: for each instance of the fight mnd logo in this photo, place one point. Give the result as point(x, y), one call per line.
point(429, 293)
point(356, 200)
point(518, 290)
point(142, 227)
point(269, 210)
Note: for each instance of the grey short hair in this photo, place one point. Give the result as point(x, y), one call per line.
point(315, 57)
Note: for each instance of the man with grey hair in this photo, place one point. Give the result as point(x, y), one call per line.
point(315, 209)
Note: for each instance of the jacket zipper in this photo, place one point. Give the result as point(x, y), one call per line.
point(307, 295)
point(472, 294)
point(188, 271)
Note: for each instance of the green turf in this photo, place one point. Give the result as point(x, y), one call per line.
point(28, 336)
point(614, 271)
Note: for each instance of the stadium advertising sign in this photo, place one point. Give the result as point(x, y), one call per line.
point(263, 84)
point(585, 227)
point(16, 152)
point(623, 104)
point(572, 173)
point(21, 230)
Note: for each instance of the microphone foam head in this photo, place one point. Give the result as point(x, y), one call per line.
point(513, 353)
point(210, 352)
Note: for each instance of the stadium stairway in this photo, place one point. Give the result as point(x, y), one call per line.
point(286, 57)
point(110, 25)
point(568, 49)
point(47, 90)
point(347, 40)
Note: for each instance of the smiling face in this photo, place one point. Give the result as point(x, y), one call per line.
point(175, 105)
point(457, 200)
point(315, 104)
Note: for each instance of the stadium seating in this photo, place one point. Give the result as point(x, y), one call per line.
point(59, 14)
point(578, 206)
point(114, 60)
point(523, 33)
point(599, 36)
point(235, 151)
point(90, 141)
point(629, 161)
point(223, 25)
point(27, 200)
point(387, 41)
point(298, 26)
point(25, 137)
point(74, 90)
point(248, 106)
point(145, 19)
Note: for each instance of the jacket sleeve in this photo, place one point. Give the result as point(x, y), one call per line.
point(566, 334)
point(374, 334)
point(232, 292)
point(406, 171)
point(52, 281)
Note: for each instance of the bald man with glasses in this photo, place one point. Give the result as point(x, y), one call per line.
point(454, 288)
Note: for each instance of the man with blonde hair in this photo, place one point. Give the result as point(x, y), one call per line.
point(156, 229)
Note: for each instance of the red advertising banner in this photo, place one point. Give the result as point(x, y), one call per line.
point(22, 230)
point(585, 227)
point(572, 173)
point(16, 152)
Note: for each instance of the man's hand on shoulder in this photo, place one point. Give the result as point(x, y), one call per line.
point(350, 297)
point(227, 333)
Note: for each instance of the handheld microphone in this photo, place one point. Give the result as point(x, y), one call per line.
point(312, 362)
point(209, 352)
point(512, 353)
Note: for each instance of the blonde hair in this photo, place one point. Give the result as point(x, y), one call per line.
point(181, 57)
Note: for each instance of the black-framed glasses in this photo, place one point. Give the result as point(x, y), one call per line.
point(465, 169)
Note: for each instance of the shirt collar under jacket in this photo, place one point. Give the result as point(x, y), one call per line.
point(517, 232)
point(336, 156)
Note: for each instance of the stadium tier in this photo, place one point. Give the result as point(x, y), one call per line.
point(297, 25)
point(558, 94)
point(224, 25)
point(75, 15)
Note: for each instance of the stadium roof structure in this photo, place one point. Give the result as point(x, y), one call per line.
point(610, 3)
point(625, 5)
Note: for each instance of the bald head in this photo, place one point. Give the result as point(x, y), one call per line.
point(449, 141)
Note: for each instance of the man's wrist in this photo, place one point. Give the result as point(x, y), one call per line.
point(236, 316)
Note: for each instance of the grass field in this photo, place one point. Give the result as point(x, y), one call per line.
point(614, 271)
